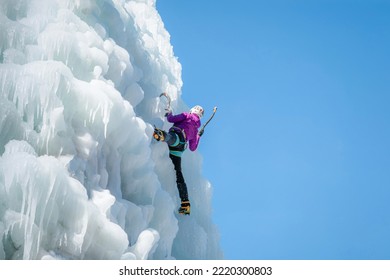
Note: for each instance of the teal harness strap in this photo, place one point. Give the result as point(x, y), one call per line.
point(177, 142)
point(176, 153)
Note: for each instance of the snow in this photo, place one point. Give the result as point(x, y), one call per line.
point(80, 176)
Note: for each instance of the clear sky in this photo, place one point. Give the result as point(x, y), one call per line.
point(299, 151)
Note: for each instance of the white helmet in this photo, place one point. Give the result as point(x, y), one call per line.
point(197, 110)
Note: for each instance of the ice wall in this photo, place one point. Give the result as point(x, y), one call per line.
point(80, 176)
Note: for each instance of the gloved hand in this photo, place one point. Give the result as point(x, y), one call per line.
point(200, 133)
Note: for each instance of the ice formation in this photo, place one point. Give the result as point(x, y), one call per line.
point(80, 177)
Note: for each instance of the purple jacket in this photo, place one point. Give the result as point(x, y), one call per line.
point(190, 124)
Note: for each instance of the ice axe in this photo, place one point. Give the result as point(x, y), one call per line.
point(169, 100)
point(201, 131)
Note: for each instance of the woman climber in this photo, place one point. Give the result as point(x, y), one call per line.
point(184, 130)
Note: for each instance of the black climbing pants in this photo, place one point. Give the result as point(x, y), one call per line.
point(181, 184)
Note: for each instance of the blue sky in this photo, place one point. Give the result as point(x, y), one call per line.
point(299, 151)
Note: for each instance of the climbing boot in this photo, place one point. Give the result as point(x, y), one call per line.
point(185, 208)
point(159, 134)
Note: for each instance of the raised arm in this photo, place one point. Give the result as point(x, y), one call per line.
point(175, 118)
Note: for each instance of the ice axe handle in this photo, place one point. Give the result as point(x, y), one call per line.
point(168, 99)
point(211, 117)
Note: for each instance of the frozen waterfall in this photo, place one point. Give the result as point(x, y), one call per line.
point(80, 176)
